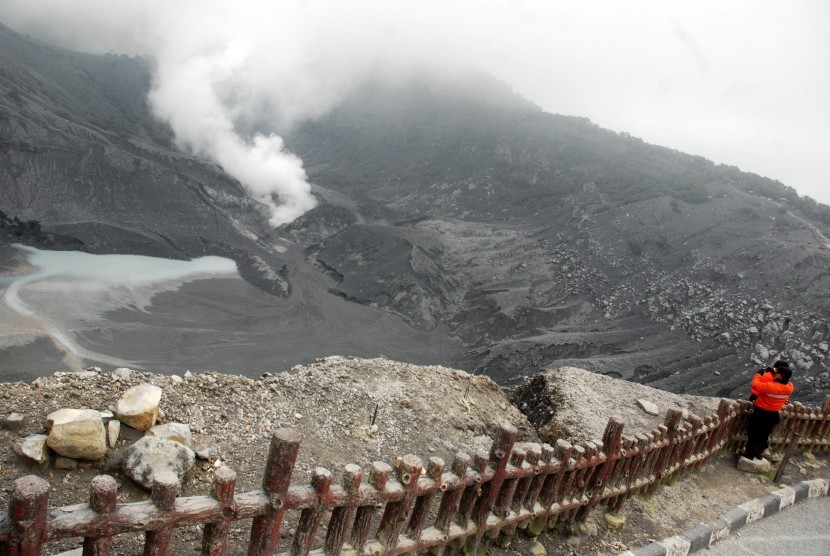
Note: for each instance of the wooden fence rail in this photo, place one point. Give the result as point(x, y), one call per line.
point(410, 508)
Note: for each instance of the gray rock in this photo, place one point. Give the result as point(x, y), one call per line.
point(139, 406)
point(122, 373)
point(152, 455)
point(66, 464)
point(207, 453)
point(754, 465)
point(177, 432)
point(33, 448)
point(13, 422)
point(77, 433)
point(113, 432)
point(649, 407)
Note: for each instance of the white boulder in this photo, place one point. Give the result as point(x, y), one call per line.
point(77, 433)
point(649, 407)
point(152, 455)
point(754, 465)
point(139, 406)
point(33, 448)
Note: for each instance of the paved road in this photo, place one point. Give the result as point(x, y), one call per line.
point(800, 530)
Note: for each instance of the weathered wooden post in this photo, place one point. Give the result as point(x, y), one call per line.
point(378, 477)
point(164, 493)
point(504, 502)
point(103, 496)
point(27, 513)
point(546, 469)
point(611, 439)
point(786, 458)
point(215, 539)
point(724, 413)
point(499, 456)
point(342, 518)
point(394, 518)
point(549, 493)
point(824, 434)
point(452, 496)
point(310, 517)
point(524, 488)
point(569, 484)
point(469, 498)
point(435, 470)
point(265, 530)
point(665, 460)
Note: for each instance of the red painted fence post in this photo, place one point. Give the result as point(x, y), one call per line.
point(164, 493)
point(215, 539)
point(103, 497)
point(27, 513)
point(343, 518)
point(265, 530)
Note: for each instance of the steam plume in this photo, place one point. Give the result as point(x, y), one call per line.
point(185, 94)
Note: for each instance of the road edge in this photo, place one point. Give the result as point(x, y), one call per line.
point(707, 534)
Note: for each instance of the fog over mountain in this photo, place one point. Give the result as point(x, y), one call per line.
point(434, 208)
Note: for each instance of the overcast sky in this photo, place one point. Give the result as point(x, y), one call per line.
point(745, 83)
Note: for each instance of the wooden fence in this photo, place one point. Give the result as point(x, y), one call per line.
point(409, 508)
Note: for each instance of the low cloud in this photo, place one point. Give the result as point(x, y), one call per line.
point(737, 83)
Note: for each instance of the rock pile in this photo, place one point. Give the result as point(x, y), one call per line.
point(82, 435)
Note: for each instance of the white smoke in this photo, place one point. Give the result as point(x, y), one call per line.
point(185, 94)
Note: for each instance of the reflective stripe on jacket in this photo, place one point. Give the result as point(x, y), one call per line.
point(771, 395)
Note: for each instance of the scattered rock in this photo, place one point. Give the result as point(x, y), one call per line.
point(589, 528)
point(614, 521)
point(113, 432)
point(122, 373)
point(538, 549)
point(13, 422)
point(207, 453)
point(649, 407)
point(77, 433)
point(66, 464)
point(33, 448)
point(810, 460)
point(753, 465)
point(152, 455)
point(139, 406)
point(574, 541)
point(177, 432)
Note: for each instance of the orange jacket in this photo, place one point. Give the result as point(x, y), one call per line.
point(771, 395)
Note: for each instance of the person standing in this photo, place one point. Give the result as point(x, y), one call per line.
point(772, 389)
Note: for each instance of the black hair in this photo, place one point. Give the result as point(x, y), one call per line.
point(784, 374)
point(780, 363)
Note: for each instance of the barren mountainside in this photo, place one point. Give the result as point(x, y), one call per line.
point(529, 240)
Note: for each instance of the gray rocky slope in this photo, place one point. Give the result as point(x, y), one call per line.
point(530, 239)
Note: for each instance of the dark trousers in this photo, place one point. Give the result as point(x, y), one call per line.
point(760, 425)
